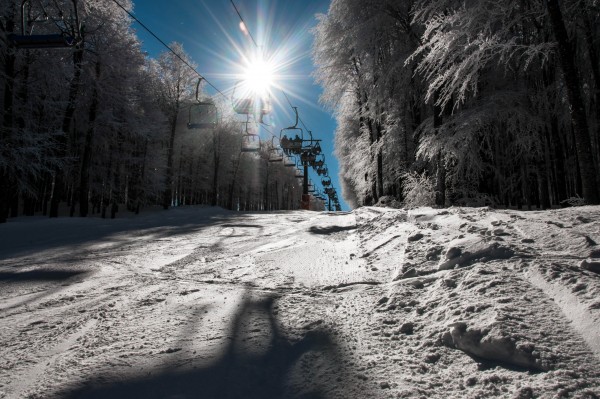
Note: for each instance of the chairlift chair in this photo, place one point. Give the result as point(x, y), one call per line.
point(250, 143)
point(250, 138)
point(248, 105)
point(265, 106)
point(29, 41)
point(299, 169)
point(288, 161)
point(275, 154)
point(326, 182)
point(59, 40)
point(307, 141)
point(285, 144)
point(317, 148)
point(330, 191)
point(312, 145)
point(291, 145)
point(288, 144)
point(319, 161)
point(241, 105)
point(307, 157)
point(203, 114)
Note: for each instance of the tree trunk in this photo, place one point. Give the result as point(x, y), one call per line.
point(6, 187)
point(236, 168)
point(86, 157)
point(544, 168)
point(578, 117)
point(167, 195)
point(380, 192)
point(115, 194)
point(440, 175)
point(139, 192)
point(216, 165)
point(595, 66)
point(74, 86)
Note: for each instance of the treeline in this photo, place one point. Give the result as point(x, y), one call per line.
point(453, 102)
point(98, 125)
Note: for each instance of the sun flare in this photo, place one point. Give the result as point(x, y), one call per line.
point(259, 76)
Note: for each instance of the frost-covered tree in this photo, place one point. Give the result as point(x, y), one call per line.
point(467, 44)
point(477, 94)
point(176, 82)
point(360, 51)
point(98, 127)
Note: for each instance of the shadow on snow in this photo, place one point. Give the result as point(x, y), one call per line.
point(330, 229)
point(258, 362)
point(28, 237)
point(39, 275)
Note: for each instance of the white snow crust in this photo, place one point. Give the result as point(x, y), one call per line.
point(375, 303)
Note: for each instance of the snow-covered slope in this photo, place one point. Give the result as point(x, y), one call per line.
point(205, 303)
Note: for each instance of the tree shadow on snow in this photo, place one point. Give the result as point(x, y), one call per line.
point(258, 362)
point(74, 234)
point(39, 275)
point(330, 229)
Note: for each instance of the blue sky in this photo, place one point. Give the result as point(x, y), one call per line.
point(210, 33)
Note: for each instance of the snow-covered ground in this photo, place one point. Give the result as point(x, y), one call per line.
point(377, 303)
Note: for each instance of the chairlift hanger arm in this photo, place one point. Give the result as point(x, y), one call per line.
point(296, 123)
point(23, 16)
point(34, 19)
point(56, 40)
point(311, 136)
point(198, 88)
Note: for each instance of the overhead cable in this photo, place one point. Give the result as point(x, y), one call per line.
point(168, 48)
point(244, 22)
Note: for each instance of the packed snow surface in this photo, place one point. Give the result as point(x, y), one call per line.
point(376, 303)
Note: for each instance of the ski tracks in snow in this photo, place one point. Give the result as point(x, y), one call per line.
point(572, 308)
point(164, 311)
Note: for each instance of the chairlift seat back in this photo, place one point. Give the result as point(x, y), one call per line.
point(287, 161)
point(265, 106)
point(41, 41)
point(243, 106)
point(202, 116)
point(250, 143)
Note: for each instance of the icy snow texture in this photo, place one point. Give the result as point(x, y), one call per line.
point(382, 303)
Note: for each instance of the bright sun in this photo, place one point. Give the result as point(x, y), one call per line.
point(259, 76)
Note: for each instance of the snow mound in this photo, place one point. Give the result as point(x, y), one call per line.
point(463, 297)
point(481, 251)
point(484, 313)
point(492, 345)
